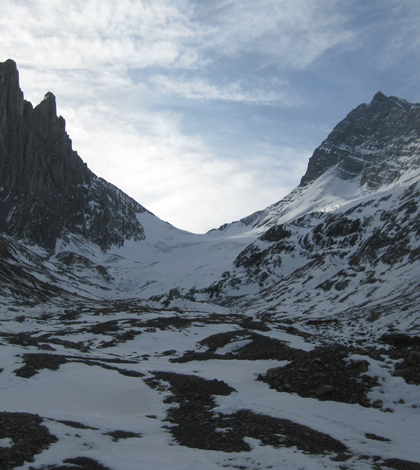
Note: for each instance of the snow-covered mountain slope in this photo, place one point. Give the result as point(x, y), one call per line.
point(288, 339)
point(358, 266)
point(102, 244)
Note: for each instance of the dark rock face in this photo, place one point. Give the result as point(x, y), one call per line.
point(47, 192)
point(372, 143)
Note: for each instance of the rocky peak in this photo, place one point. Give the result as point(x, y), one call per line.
point(391, 101)
point(375, 143)
point(10, 93)
point(46, 190)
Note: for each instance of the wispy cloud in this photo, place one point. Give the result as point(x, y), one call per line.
point(400, 32)
point(290, 34)
point(96, 33)
point(201, 89)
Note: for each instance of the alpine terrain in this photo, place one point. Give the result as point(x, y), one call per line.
point(289, 339)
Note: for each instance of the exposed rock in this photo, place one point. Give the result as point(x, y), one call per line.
point(47, 192)
point(117, 435)
point(194, 424)
point(323, 373)
point(324, 390)
point(414, 357)
point(371, 143)
point(273, 370)
point(402, 372)
point(362, 366)
point(78, 463)
point(28, 436)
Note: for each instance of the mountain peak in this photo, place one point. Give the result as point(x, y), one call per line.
point(47, 191)
point(49, 102)
point(8, 66)
point(380, 97)
point(392, 101)
point(371, 143)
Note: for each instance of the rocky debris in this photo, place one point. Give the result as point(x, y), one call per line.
point(36, 362)
point(279, 432)
point(324, 390)
point(406, 349)
point(258, 347)
point(117, 435)
point(400, 340)
point(324, 373)
point(196, 425)
point(127, 329)
point(28, 437)
point(409, 370)
point(76, 425)
point(46, 347)
point(78, 463)
point(398, 464)
point(374, 437)
point(193, 418)
point(40, 341)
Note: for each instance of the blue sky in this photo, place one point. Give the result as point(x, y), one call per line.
point(206, 111)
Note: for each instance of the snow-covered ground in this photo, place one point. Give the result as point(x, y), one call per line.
point(103, 400)
point(106, 312)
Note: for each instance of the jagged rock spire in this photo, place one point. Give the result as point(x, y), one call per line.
point(45, 187)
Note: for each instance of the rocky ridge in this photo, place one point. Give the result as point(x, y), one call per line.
point(376, 143)
point(47, 191)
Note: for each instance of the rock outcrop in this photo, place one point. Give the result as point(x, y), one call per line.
point(47, 191)
point(372, 143)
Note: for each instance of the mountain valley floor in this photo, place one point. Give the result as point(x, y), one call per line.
point(192, 385)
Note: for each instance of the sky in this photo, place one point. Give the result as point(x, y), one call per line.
point(206, 111)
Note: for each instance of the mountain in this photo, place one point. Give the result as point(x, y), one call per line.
point(288, 339)
point(47, 191)
point(345, 243)
point(376, 143)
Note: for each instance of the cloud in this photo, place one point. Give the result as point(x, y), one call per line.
point(400, 33)
point(95, 33)
point(178, 177)
point(290, 34)
point(85, 46)
point(111, 35)
point(200, 88)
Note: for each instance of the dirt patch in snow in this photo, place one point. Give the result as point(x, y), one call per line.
point(195, 424)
